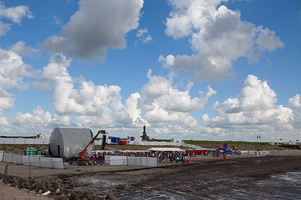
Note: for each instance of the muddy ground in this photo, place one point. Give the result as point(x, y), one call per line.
point(268, 177)
point(245, 178)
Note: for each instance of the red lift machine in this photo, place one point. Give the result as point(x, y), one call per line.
point(83, 158)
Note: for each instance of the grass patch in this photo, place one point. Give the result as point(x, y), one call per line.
point(242, 145)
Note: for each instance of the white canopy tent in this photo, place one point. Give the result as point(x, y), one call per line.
point(164, 149)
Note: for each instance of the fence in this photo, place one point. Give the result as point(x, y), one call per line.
point(37, 161)
point(291, 152)
point(142, 161)
point(1, 155)
point(256, 153)
point(130, 160)
point(23, 141)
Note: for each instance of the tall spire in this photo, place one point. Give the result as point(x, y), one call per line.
point(144, 136)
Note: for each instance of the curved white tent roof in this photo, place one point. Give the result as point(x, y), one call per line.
point(164, 149)
point(69, 142)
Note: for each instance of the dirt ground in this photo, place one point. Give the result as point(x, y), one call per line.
point(10, 193)
point(206, 178)
point(218, 179)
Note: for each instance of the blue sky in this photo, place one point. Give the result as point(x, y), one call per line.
point(203, 70)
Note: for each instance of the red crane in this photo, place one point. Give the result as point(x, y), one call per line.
point(82, 159)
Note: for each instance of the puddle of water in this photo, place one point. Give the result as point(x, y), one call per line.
point(285, 186)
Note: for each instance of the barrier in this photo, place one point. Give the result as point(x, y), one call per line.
point(44, 162)
point(57, 163)
point(8, 140)
point(132, 161)
point(107, 159)
point(149, 161)
point(115, 160)
point(36, 161)
point(1, 156)
point(23, 141)
point(17, 158)
point(19, 141)
point(142, 161)
point(256, 153)
point(26, 160)
point(7, 157)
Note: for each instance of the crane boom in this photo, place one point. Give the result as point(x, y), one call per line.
point(81, 155)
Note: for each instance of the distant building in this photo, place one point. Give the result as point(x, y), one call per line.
point(144, 136)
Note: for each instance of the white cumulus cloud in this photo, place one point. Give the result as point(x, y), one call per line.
point(218, 37)
point(12, 73)
point(161, 103)
point(295, 103)
point(55, 70)
point(96, 26)
point(39, 117)
point(15, 14)
point(21, 49)
point(143, 36)
point(39, 120)
point(93, 105)
point(254, 112)
point(4, 28)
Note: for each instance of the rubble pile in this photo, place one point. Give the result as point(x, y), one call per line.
point(52, 186)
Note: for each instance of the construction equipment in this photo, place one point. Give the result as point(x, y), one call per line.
point(83, 158)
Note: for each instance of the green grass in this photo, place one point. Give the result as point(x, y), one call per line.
point(242, 145)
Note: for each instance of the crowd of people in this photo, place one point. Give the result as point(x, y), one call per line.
point(172, 156)
point(100, 155)
point(163, 156)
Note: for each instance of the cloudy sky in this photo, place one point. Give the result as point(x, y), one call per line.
point(186, 69)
